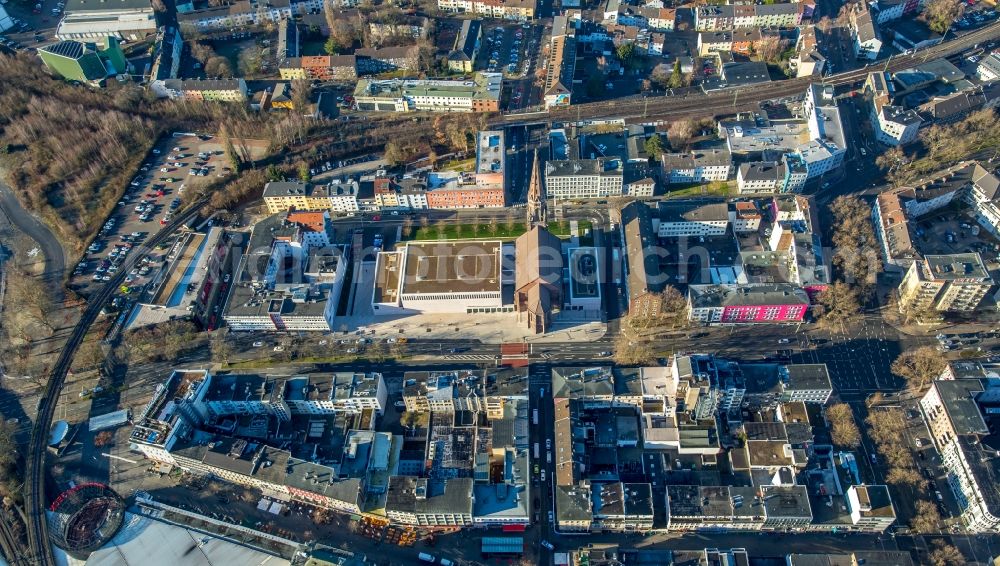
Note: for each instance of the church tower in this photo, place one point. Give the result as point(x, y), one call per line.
point(537, 212)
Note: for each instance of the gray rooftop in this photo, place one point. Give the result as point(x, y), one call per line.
point(957, 266)
point(573, 503)
point(422, 496)
point(807, 376)
point(959, 399)
point(686, 211)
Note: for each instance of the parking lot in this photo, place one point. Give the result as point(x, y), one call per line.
point(953, 232)
point(34, 23)
point(507, 47)
point(175, 165)
point(976, 16)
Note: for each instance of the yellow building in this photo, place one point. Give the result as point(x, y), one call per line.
point(280, 196)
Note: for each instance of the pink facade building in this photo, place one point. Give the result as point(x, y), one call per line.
point(747, 304)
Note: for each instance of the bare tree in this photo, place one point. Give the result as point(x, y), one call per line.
point(769, 48)
point(840, 306)
point(301, 94)
point(680, 133)
point(629, 351)
point(941, 14)
point(918, 367)
point(843, 430)
point(945, 554)
point(857, 252)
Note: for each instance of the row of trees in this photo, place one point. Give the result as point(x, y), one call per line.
point(160, 343)
point(856, 250)
point(886, 428)
point(944, 144)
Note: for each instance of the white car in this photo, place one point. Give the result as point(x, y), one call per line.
point(258, 344)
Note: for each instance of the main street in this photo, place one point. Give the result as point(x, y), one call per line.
point(859, 364)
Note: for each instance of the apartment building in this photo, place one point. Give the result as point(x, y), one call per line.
point(895, 125)
point(698, 166)
point(481, 94)
point(692, 219)
point(584, 178)
point(622, 507)
point(747, 304)
point(557, 90)
point(337, 196)
point(867, 41)
point(574, 508)
point(408, 192)
point(319, 67)
point(462, 57)
point(949, 283)
point(374, 60)
point(983, 193)
point(394, 26)
point(959, 415)
point(518, 10)
point(729, 17)
point(216, 90)
point(745, 216)
point(871, 507)
point(988, 68)
point(767, 177)
point(809, 383)
point(714, 508)
point(429, 503)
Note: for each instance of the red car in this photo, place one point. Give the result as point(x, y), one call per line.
point(159, 193)
point(376, 218)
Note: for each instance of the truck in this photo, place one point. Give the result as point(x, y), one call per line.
point(428, 558)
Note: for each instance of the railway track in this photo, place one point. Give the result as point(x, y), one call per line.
point(39, 550)
point(733, 100)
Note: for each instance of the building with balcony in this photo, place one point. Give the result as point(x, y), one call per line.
point(950, 283)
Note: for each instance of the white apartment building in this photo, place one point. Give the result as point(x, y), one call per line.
point(956, 421)
point(685, 219)
point(895, 125)
point(864, 33)
point(520, 10)
point(584, 178)
point(699, 166)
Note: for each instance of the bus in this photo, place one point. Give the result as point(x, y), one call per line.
point(534, 417)
point(536, 451)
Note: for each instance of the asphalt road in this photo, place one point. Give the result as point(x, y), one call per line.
point(55, 259)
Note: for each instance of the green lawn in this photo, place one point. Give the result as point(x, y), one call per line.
point(469, 231)
point(459, 165)
point(485, 231)
point(711, 189)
